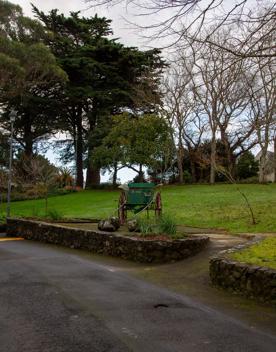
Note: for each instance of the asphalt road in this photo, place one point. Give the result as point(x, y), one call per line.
point(52, 299)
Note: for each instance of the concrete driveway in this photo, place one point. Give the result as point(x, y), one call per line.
point(53, 299)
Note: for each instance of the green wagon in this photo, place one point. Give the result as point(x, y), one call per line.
point(137, 197)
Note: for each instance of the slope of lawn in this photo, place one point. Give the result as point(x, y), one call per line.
point(219, 206)
point(261, 254)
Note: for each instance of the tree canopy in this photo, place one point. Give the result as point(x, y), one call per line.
point(30, 76)
point(134, 142)
point(105, 77)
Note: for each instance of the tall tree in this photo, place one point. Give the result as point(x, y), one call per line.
point(222, 94)
point(179, 107)
point(135, 142)
point(31, 79)
point(263, 93)
point(104, 77)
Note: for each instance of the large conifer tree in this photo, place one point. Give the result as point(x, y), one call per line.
point(105, 77)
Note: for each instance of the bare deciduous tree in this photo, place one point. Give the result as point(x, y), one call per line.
point(184, 21)
point(263, 94)
point(179, 107)
point(216, 89)
point(36, 176)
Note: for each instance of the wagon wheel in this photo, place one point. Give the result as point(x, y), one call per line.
point(122, 213)
point(158, 204)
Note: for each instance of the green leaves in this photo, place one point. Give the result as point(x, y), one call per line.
point(10, 71)
point(135, 140)
point(30, 77)
point(24, 62)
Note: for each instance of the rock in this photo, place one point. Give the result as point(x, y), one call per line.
point(115, 222)
point(106, 225)
point(100, 224)
point(112, 224)
point(132, 225)
point(236, 274)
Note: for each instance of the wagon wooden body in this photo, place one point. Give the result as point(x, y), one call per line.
point(138, 197)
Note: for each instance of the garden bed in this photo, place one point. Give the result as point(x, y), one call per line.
point(248, 270)
point(113, 244)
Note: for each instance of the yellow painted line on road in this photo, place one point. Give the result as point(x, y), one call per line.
point(11, 239)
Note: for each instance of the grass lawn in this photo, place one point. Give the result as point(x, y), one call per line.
point(262, 254)
point(219, 206)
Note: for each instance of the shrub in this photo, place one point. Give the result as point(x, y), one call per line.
point(54, 214)
point(105, 186)
point(187, 176)
point(164, 225)
point(250, 180)
point(36, 176)
point(146, 226)
point(65, 178)
point(167, 225)
point(68, 188)
point(247, 166)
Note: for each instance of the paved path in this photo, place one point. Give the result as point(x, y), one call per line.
point(191, 277)
point(53, 299)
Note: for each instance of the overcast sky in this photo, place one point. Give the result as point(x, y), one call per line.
point(119, 26)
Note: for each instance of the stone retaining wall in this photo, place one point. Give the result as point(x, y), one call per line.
point(114, 244)
point(252, 281)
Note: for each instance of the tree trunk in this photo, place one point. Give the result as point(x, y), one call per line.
point(202, 178)
point(213, 160)
point(230, 160)
point(28, 138)
point(193, 170)
point(262, 164)
point(141, 173)
point(262, 167)
point(275, 159)
point(28, 147)
point(114, 177)
point(180, 157)
point(93, 177)
point(79, 149)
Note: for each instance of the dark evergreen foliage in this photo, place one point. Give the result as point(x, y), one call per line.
point(247, 166)
point(105, 78)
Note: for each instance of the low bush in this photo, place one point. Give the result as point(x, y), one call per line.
point(165, 225)
point(54, 214)
point(146, 226)
point(20, 196)
point(105, 186)
point(187, 176)
point(249, 180)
